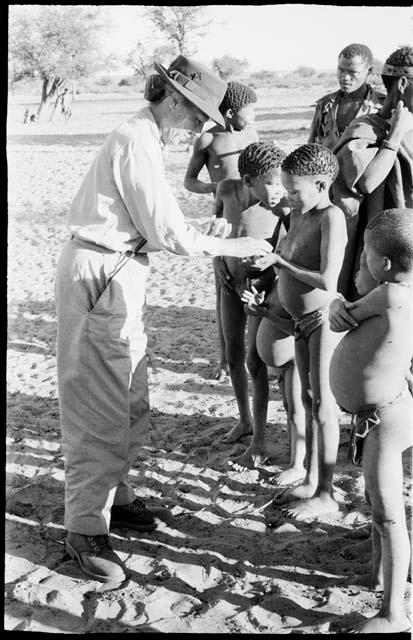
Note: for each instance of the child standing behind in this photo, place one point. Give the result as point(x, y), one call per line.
point(310, 262)
point(369, 377)
point(251, 204)
point(217, 150)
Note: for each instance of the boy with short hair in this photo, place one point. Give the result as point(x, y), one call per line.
point(251, 205)
point(368, 378)
point(310, 262)
point(218, 150)
point(355, 98)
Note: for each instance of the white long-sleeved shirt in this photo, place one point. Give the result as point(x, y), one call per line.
point(125, 196)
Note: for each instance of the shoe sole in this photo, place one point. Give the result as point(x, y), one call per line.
point(76, 556)
point(136, 527)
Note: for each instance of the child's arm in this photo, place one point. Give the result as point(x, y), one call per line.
point(333, 243)
point(381, 165)
point(374, 303)
point(198, 160)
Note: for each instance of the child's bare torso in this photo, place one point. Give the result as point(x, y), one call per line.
point(369, 364)
point(246, 220)
point(301, 246)
point(224, 150)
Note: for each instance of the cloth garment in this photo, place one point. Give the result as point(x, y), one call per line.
point(356, 149)
point(103, 390)
point(364, 422)
point(324, 129)
point(125, 196)
point(305, 326)
point(123, 200)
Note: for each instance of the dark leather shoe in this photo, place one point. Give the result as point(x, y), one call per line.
point(96, 557)
point(133, 516)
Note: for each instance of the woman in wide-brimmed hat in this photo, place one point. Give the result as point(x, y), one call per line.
point(123, 210)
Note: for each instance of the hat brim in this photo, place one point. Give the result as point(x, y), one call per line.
point(209, 110)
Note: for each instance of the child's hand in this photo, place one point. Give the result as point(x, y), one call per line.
point(339, 316)
point(254, 301)
point(219, 227)
point(264, 262)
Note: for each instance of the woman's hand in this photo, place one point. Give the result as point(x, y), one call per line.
point(245, 246)
point(269, 260)
point(339, 317)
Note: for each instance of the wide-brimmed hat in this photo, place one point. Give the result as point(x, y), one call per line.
point(196, 83)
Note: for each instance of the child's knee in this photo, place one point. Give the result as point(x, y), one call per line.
point(323, 412)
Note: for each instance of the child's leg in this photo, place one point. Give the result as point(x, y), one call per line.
point(321, 343)
point(222, 369)
point(233, 325)
point(256, 453)
point(383, 471)
point(296, 425)
point(309, 485)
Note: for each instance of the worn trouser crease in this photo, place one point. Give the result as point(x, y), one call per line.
point(102, 379)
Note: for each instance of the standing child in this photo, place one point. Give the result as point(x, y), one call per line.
point(368, 378)
point(310, 262)
point(217, 150)
point(275, 346)
point(251, 205)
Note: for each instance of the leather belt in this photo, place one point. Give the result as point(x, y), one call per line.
point(94, 245)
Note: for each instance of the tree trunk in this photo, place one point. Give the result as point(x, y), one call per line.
point(48, 95)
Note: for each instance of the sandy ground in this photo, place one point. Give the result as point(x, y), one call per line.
point(222, 559)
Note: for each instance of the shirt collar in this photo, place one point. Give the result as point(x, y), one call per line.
point(147, 113)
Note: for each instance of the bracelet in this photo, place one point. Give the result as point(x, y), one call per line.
point(385, 144)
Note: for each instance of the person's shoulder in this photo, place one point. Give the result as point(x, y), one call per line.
point(204, 140)
point(230, 187)
point(332, 212)
point(328, 97)
point(395, 294)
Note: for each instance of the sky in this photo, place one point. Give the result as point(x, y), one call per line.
point(277, 36)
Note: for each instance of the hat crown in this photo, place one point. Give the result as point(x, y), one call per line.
point(199, 74)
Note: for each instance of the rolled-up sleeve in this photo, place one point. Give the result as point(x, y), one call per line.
point(139, 175)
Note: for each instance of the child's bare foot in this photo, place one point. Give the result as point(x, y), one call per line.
point(368, 580)
point(381, 624)
point(239, 431)
point(313, 507)
point(354, 551)
point(255, 456)
point(302, 492)
point(221, 372)
point(289, 476)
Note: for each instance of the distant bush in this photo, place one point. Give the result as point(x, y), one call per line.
point(124, 82)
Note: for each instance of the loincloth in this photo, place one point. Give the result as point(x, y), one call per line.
point(365, 421)
point(305, 326)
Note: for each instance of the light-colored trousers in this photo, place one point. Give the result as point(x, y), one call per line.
point(102, 379)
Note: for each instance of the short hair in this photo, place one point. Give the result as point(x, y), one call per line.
point(356, 49)
point(311, 159)
point(155, 88)
point(258, 158)
point(237, 96)
point(402, 57)
point(391, 234)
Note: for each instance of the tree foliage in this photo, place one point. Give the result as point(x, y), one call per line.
point(228, 67)
point(56, 44)
point(181, 25)
point(141, 59)
point(305, 72)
